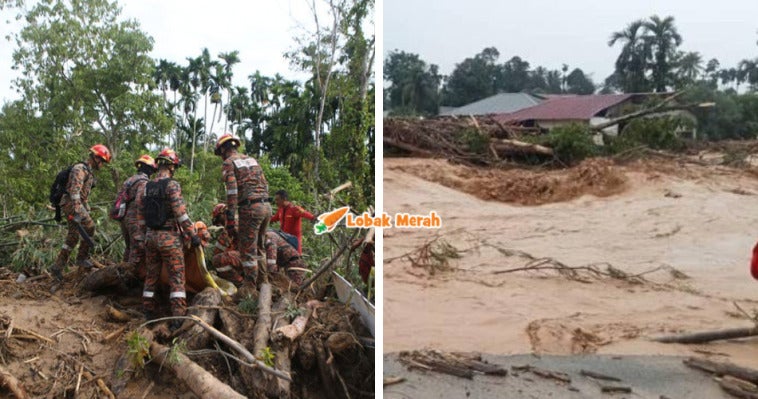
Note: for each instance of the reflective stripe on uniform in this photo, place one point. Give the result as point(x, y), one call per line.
point(148, 294)
point(178, 294)
point(75, 197)
point(182, 218)
point(224, 269)
point(271, 261)
point(221, 247)
point(248, 264)
point(231, 192)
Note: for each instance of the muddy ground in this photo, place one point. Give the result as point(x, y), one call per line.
point(681, 233)
point(58, 334)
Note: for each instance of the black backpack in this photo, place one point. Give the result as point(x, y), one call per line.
point(156, 208)
point(58, 188)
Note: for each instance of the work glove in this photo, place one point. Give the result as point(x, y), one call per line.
point(196, 241)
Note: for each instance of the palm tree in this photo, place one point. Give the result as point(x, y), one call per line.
point(230, 59)
point(631, 64)
point(690, 67)
point(193, 76)
point(664, 39)
point(748, 72)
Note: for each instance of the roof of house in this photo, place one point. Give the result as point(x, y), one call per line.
point(498, 104)
point(566, 108)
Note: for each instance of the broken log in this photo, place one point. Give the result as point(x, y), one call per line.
point(204, 307)
point(328, 380)
point(708, 336)
point(282, 351)
point(12, 384)
point(241, 350)
point(117, 315)
point(737, 387)
point(104, 278)
point(341, 341)
point(199, 381)
point(511, 147)
point(722, 369)
point(263, 322)
point(295, 329)
point(615, 389)
point(598, 376)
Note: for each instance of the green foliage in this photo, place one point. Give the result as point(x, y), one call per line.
point(414, 84)
point(570, 143)
point(34, 252)
point(292, 311)
point(267, 356)
point(138, 350)
point(733, 116)
point(248, 305)
point(658, 133)
point(474, 140)
point(178, 346)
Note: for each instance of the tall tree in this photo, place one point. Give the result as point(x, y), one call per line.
point(578, 83)
point(473, 79)
point(631, 64)
point(689, 68)
point(87, 72)
point(414, 87)
point(664, 40)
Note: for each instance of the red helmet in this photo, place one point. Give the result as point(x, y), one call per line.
point(168, 155)
point(145, 160)
point(102, 152)
point(218, 209)
point(223, 139)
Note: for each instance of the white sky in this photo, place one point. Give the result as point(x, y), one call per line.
point(549, 33)
point(261, 30)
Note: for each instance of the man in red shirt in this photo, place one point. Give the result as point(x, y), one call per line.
point(288, 215)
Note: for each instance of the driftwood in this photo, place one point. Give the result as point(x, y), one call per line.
point(8, 381)
point(117, 315)
point(598, 376)
point(721, 369)
point(458, 364)
point(708, 336)
point(738, 387)
point(203, 306)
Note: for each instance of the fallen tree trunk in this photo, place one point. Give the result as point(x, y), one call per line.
point(511, 147)
point(708, 336)
point(203, 307)
point(10, 382)
point(722, 369)
point(199, 381)
point(263, 322)
point(278, 387)
point(100, 279)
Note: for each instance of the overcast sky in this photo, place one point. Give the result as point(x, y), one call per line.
point(262, 31)
point(550, 33)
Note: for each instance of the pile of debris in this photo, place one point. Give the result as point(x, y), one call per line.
point(276, 341)
point(473, 140)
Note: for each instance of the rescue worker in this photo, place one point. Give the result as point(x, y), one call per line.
point(280, 255)
point(165, 213)
point(134, 221)
point(75, 205)
point(226, 259)
point(288, 215)
point(246, 189)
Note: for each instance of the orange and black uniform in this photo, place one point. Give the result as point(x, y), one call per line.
point(134, 222)
point(280, 254)
point(164, 248)
point(246, 189)
point(289, 217)
point(74, 204)
point(226, 259)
